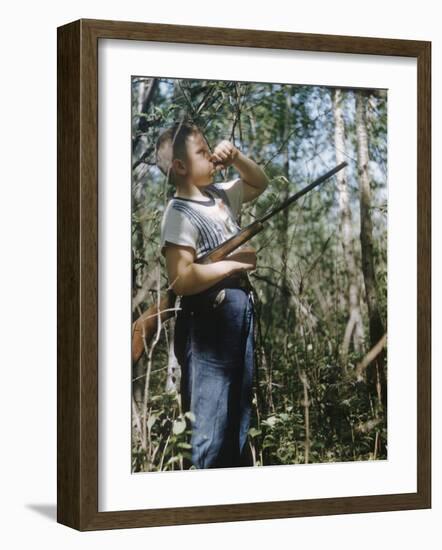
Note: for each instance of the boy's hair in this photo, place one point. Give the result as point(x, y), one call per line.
point(171, 144)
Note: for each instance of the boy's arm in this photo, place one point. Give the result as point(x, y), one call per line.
point(253, 177)
point(187, 277)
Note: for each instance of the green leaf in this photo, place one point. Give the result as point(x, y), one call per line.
point(253, 432)
point(151, 421)
point(271, 421)
point(179, 426)
point(190, 416)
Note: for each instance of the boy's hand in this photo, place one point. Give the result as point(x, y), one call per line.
point(224, 154)
point(245, 257)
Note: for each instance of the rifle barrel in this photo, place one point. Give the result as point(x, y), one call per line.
point(303, 191)
point(245, 234)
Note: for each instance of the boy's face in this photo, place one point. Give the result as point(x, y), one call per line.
point(199, 168)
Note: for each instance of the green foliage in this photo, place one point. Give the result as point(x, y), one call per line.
point(168, 431)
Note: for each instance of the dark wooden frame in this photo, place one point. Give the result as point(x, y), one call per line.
point(77, 224)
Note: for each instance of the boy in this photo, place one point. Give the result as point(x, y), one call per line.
point(214, 327)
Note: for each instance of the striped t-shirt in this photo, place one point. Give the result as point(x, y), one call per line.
point(203, 224)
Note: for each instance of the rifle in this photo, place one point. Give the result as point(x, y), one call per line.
point(146, 325)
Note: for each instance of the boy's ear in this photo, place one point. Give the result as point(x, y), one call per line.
point(179, 167)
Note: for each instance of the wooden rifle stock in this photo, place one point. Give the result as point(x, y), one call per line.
point(144, 328)
point(227, 247)
point(146, 325)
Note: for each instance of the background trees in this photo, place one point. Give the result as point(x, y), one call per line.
point(321, 281)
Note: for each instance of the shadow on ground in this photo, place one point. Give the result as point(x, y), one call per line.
point(47, 510)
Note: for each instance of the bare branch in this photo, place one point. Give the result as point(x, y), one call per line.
point(371, 355)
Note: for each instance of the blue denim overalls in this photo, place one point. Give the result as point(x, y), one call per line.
point(214, 345)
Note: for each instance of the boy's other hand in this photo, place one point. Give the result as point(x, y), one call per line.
point(245, 258)
point(224, 154)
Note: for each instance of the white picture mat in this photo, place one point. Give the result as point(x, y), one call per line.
point(118, 488)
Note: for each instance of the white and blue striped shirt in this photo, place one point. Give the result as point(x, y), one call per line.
point(203, 225)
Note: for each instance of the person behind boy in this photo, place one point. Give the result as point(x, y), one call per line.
point(214, 326)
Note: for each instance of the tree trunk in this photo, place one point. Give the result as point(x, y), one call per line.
point(145, 95)
point(145, 103)
point(354, 330)
point(285, 213)
point(376, 375)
